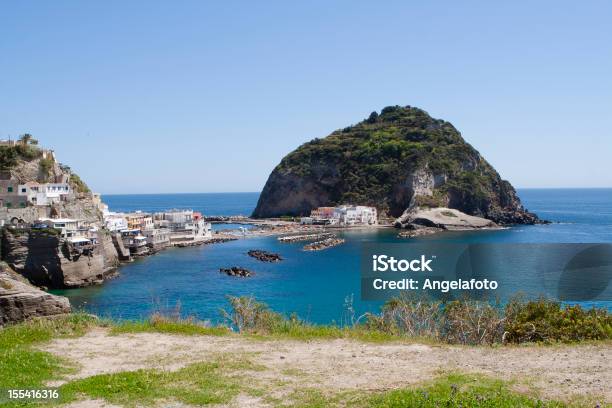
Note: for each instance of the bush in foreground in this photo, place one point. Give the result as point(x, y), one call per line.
point(456, 322)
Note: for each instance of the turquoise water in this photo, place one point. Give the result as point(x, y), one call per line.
point(313, 284)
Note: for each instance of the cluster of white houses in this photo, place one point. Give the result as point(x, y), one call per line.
point(142, 231)
point(343, 215)
point(138, 232)
point(15, 195)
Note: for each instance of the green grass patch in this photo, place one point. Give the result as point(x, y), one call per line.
point(458, 390)
point(453, 391)
point(160, 325)
point(21, 366)
point(305, 332)
point(197, 384)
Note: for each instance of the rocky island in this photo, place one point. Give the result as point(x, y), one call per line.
point(399, 161)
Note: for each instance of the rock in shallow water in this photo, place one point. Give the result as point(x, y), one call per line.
point(264, 256)
point(236, 271)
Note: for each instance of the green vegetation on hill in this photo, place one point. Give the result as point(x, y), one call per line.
point(77, 184)
point(10, 155)
point(45, 166)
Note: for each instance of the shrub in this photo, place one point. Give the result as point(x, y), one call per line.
point(77, 184)
point(44, 167)
point(249, 315)
point(408, 316)
point(469, 322)
point(545, 321)
point(472, 322)
point(27, 152)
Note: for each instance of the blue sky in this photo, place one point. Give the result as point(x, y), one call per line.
point(195, 96)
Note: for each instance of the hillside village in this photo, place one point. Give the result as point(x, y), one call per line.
point(37, 193)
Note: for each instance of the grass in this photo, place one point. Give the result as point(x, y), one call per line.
point(284, 330)
point(21, 366)
point(197, 384)
point(449, 390)
point(162, 325)
point(459, 390)
point(307, 332)
point(223, 377)
point(403, 319)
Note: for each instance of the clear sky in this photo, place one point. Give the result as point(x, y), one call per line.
point(196, 96)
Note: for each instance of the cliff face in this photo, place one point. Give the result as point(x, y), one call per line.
point(46, 260)
point(398, 160)
point(19, 300)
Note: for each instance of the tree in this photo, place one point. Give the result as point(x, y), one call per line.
point(373, 117)
point(27, 139)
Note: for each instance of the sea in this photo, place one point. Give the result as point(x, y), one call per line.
point(320, 287)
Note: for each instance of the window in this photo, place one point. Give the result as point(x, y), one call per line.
point(22, 205)
point(8, 205)
point(10, 189)
point(23, 190)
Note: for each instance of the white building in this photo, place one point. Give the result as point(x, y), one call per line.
point(356, 215)
point(158, 237)
point(69, 227)
point(176, 217)
point(202, 228)
point(184, 225)
point(115, 221)
point(43, 193)
point(134, 241)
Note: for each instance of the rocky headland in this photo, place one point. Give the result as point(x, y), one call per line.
point(39, 255)
point(398, 161)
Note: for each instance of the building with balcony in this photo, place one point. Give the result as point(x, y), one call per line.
point(44, 193)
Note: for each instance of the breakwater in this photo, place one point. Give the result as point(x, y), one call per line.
point(323, 244)
point(306, 237)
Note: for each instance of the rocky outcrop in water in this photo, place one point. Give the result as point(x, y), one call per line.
point(20, 301)
point(264, 256)
point(47, 260)
point(236, 271)
point(399, 159)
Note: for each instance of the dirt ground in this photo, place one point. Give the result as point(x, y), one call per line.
point(557, 372)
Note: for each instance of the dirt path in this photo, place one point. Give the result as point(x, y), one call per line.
point(559, 372)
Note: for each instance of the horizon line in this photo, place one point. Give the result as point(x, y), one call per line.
point(259, 192)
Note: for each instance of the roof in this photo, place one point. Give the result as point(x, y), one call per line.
point(78, 240)
point(59, 219)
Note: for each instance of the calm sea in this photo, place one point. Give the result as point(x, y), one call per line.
point(315, 285)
